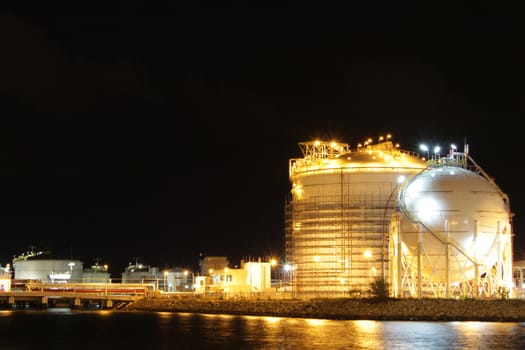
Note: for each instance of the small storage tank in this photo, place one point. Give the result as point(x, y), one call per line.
point(96, 273)
point(142, 273)
point(452, 235)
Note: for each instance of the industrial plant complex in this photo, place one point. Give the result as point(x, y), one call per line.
point(435, 226)
point(431, 225)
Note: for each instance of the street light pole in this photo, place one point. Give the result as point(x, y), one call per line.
point(186, 272)
point(437, 149)
point(425, 149)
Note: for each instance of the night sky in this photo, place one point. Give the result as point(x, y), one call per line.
point(162, 133)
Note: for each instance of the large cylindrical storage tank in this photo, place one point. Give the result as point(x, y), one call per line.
point(48, 270)
point(452, 235)
point(338, 215)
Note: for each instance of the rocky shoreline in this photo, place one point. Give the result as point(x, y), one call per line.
point(511, 310)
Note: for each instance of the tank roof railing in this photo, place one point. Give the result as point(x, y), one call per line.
point(383, 146)
point(479, 170)
point(392, 151)
point(316, 150)
point(30, 254)
point(457, 159)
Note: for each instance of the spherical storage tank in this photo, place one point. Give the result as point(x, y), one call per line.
point(452, 235)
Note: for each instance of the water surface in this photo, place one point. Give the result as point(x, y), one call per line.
point(110, 329)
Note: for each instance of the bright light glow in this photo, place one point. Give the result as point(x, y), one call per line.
point(424, 148)
point(437, 149)
point(317, 258)
point(367, 254)
point(298, 191)
point(60, 276)
point(165, 314)
point(401, 179)
point(369, 327)
point(315, 322)
point(287, 267)
point(425, 207)
point(271, 319)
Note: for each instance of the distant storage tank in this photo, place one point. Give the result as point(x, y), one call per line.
point(40, 266)
point(96, 273)
point(142, 273)
point(430, 228)
point(339, 212)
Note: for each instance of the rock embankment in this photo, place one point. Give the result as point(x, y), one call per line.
point(346, 309)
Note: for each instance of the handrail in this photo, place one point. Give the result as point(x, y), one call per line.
point(480, 170)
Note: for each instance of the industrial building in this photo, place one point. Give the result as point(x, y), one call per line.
point(519, 278)
point(179, 280)
point(208, 264)
point(435, 226)
point(5, 278)
point(253, 277)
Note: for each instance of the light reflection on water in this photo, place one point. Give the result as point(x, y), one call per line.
point(297, 333)
point(103, 329)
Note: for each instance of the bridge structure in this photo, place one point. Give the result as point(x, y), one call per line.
point(81, 295)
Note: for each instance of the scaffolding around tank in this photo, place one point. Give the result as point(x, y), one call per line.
point(338, 214)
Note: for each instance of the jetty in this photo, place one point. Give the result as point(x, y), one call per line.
point(82, 295)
